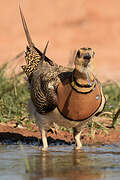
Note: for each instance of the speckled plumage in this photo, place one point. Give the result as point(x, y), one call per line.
point(44, 85)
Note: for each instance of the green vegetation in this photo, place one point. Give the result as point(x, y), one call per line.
point(14, 96)
point(26, 161)
point(112, 93)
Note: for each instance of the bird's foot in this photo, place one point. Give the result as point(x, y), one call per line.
point(44, 149)
point(78, 147)
point(53, 130)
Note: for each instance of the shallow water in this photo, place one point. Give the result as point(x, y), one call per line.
point(60, 163)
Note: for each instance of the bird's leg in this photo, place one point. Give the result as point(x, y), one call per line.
point(77, 138)
point(44, 140)
point(77, 141)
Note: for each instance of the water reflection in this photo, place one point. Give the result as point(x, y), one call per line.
point(63, 165)
point(60, 163)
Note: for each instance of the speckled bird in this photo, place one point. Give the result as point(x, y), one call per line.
point(68, 97)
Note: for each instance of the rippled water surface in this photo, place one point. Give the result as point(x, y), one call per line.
point(59, 163)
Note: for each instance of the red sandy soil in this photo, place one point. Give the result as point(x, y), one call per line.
point(68, 25)
point(9, 133)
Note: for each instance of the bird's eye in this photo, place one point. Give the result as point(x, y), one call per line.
point(78, 54)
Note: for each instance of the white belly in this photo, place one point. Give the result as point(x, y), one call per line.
point(49, 119)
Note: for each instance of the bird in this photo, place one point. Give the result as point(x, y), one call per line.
point(63, 96)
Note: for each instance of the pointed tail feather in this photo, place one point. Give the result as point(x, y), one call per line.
point(45, 49)
point(33, 56)
point(26, 29)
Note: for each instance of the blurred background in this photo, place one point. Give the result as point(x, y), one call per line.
point(68, 26)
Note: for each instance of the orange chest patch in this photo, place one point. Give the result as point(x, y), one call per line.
point(75, 105)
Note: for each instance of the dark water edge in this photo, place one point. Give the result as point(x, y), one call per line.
point(60, 162)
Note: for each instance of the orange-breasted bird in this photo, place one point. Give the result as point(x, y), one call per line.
point(65, 96)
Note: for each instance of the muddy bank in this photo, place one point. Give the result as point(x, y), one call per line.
point(10, 134)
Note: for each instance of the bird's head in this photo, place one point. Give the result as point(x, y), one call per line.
point(84, 60)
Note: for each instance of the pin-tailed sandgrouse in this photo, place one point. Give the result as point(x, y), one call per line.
point(69, 97)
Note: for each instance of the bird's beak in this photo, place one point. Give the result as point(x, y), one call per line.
point(86, 58)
